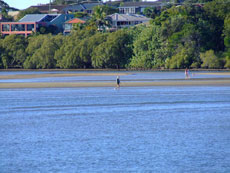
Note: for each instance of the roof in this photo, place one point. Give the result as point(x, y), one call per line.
point(90, 6)
point(45, 8)
point(81, 6)
point(38, 17)
point(128, 17)
point(76, 20)
point(141, 4)
point(32, 18)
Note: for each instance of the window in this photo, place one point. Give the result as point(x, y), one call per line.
point(122, 10)
point(68, 26)
point(5, 27)
point(126, 10)
point(30, 27)
point(132, 10)
point(18, 27)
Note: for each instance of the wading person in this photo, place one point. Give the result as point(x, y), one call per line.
point(118, 82)
point(187, 73)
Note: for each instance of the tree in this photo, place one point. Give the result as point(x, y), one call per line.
point(27, 11)
point(184, 57)
point(68, 55)
point(14, 51)
point(87, 47)
point(210, 60)
point(227, 62)
point(227, 33)
point(41, 51)
point(115, 52)
point(149, 49)
point(152, 12)
point(5, 15)
point(1, 54)
point(99, 15)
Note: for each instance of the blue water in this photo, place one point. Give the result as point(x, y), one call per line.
point(131, 76)
point(133, 129)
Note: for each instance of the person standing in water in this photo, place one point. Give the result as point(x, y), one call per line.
point(187, 73)
point(118, 82)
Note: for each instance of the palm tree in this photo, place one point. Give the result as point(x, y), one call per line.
point(100, 16)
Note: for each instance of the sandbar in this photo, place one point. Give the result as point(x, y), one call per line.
point(30, 76)
point(222, 82)
point(124, 83)
point(216, 73)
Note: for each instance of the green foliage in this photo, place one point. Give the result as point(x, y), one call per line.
point(41, 51)
point(80, 14)
point(210, 60)
point(227, 31)
point(68, 55)
point(114, 53)
point(27, 11)
point(149, 49)
point(100, 13)
point(14, 51)
point(1, 54)
point(5, 15)
point(218, 8)
point(152, 12)
point(184, 57)
point(227, 62)
point(48, 29)
point(174, 39)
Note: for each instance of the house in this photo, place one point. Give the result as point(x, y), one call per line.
point(126, 20)
point(46, 8)
point(138, 7)
point(33, 22)
point(69, 24)
point(81, 7)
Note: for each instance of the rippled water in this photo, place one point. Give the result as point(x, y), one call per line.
point(140, 129)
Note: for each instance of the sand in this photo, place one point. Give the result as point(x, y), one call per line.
point(127, 83)
point(216, 73)
point(30, 76)
point(112, 84)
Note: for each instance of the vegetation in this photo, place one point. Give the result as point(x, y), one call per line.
point(185, 36)
point(31, 10)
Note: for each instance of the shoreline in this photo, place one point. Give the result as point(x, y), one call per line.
point(115, 70)
point(11, 85)
point(214, 81)
point(31, 76)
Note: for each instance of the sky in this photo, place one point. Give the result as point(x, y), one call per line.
point(23, 4)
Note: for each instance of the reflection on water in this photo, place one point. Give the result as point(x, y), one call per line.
point(141, 129)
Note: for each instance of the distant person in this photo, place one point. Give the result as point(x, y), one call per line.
point(118, 82)
point(187, 73)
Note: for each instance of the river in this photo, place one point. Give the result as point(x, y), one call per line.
point(100, 129)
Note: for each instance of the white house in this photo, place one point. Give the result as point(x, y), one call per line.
point(126, 20)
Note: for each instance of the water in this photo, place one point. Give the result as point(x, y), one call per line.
point(134, 129)
point(131, 76)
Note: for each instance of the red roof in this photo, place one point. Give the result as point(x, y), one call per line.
point(76, 20)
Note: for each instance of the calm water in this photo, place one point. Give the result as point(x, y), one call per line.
point(139, 129)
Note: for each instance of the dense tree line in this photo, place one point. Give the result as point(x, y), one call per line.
point(191, 36)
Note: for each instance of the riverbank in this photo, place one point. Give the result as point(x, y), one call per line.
point(31, 76)
point(107, 79)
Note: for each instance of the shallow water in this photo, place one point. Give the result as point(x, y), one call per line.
point(134, 76)
point(140, 129)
